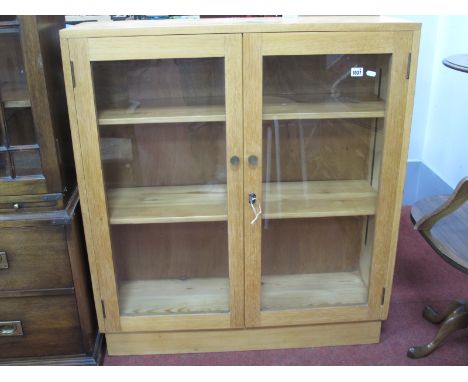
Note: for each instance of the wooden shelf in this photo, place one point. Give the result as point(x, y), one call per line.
point(213, 112)
point(302, 291)
point(323, 110)
point(172, 204)
point(13, 95)
point(211, 295)
point(163, 114)
point(318, 199)
point(171, 296)
point(144, 205)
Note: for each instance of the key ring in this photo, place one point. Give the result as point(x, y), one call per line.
point(252, 200)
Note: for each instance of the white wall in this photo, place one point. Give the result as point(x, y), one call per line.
point(439, 133)
point(445, 149)
point(424, 83)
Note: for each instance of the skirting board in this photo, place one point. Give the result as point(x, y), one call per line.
point(422, 182)
point(243, 339)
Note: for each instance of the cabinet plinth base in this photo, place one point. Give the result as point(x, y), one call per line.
point(243, 339)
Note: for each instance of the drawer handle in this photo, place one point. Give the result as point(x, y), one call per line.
point(11, 328)
point(3, 260)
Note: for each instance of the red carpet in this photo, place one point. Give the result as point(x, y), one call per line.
point(421, 277)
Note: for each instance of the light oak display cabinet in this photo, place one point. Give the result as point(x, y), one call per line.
point(241, 179)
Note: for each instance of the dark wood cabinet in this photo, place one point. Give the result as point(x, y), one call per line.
point(36, 162)
point(46, 314)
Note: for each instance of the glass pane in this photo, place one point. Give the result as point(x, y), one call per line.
point(8, 19)
point(27, 162)
point(3, 141)
point(13, 86)
point(4, 165)
point(339, 78)
point(312, 262)
point(20, 126)
point(322, 140)
point(163, 151)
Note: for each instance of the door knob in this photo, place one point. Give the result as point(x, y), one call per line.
point(253, 160)
point(235, 160)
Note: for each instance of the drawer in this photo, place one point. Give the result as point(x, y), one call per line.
point(30, 203)
point(49, 326)
point(34, 258)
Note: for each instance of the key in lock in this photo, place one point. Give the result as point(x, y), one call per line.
point(252, 198)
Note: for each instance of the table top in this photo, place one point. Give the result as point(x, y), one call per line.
point(457, 62)
point(448, 236)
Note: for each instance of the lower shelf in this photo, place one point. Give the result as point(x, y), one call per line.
point(303, 291)
point(164, 297)
point(211, 295)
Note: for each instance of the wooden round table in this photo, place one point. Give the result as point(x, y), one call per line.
point(457, 62)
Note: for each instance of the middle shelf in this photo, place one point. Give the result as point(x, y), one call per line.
point(203, 203)
point(214, 112)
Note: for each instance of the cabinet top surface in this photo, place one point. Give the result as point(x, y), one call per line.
point(238, 25)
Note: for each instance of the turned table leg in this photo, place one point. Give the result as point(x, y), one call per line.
point(456, 320)
point(431, 315)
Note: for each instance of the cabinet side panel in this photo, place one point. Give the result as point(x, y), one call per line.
point(389, 198)
point(81, 182)
point(96, 198)
point(402, 166)
point(80, 271)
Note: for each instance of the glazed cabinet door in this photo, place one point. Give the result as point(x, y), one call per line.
point(158, 143)
point(324, 117)
point(20, 158)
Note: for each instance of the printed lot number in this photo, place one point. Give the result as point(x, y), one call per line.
point(357, 72)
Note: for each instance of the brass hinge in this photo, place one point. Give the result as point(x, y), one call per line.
point(408, 67)
point(59, 151)
point(103, 308)
point(3, 260)
point(382, 300)
point(72, 67)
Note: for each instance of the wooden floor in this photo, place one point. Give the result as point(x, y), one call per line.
point(211, 295)
point(143, 205)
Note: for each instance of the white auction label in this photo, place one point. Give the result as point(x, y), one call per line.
point(357, 72)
